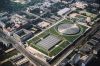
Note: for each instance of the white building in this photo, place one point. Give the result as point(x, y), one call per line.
point(2, 24)
point(43, 24)
point(17, 19)
point(80, 5)
point(63, 11)
point(47, 4)
point(21, 1)
point(56, 1)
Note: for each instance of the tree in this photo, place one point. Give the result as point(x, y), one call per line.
point(4, 4)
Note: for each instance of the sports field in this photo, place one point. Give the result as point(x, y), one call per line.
point(65, 40)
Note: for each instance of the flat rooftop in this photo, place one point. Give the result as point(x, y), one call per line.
point(49, 42)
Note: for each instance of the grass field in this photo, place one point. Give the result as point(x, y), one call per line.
point(66, 40)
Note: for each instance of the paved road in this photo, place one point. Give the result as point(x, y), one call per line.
point(22, 49)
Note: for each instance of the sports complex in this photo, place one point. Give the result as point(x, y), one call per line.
point(54, 40)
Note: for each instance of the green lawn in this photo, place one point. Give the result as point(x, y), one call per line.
point(43, 35)
point(33, 40)
point(55, 51)
point(58, 48)
point(84, 28)
point(53, 31)
point(71, 38)
point(64, 44)
point(66, 21)
point(40, 49)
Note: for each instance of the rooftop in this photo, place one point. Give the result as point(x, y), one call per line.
point(68, 29)
point(49, 42)
point(63, 11)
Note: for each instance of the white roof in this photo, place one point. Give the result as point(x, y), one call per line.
point(22, 1)
point(43, 24)
point(68, 29)
point(63, 11)
point(49, 42)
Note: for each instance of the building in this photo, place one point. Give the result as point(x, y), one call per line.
point(20, 60)
point(75, 59)
point(80, 5)
point(4, 19)
point(18, 20)
point(21, 1)
point(55, 1)
point(93, 42)
point(86, 48)
point(22, 35)
point(67, 1)
point(43, 24)
point(47, 4)
point(2, 24)
point(49, 42)
point(96, 36)
point(63, 11)
point(68, 29)
point(64, 63)
point(73, 15)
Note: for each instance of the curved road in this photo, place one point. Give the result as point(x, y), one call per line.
point(20, 47)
